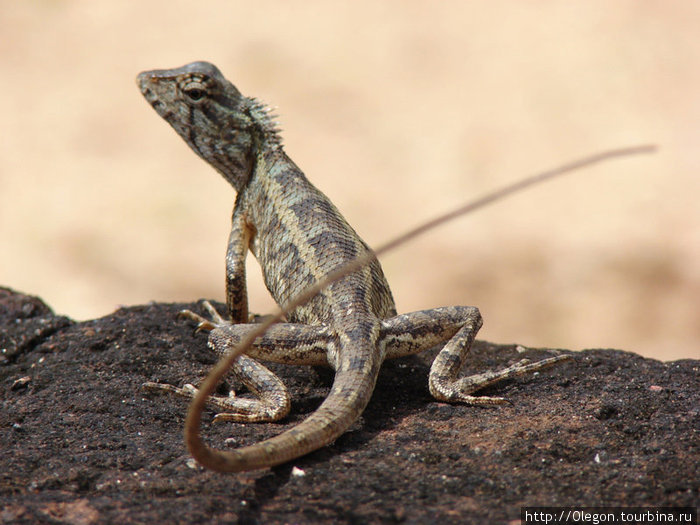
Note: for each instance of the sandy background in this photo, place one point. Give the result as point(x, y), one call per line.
point(397, 110)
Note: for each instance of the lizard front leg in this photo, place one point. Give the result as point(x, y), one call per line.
point(456, 326)
point(236, 289)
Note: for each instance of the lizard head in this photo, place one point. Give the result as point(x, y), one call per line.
point(210, 114)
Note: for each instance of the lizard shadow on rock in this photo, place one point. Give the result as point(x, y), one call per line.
point(401, 393)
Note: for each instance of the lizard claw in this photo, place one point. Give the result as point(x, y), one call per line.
point(203, 324)
point(213, 313)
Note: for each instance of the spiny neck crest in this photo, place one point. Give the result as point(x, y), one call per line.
point(265, 120)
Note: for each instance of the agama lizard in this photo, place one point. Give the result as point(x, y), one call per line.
point(299, 237)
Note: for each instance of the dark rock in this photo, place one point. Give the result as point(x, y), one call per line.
point(82, 443)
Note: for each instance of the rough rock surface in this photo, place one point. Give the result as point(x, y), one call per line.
point(81, 442)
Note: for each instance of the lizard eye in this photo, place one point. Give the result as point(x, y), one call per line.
point(195, 94)
point(195, 89)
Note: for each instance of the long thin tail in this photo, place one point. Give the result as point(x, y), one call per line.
point(349, 395)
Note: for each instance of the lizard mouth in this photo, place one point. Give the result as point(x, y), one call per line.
point(143, 81)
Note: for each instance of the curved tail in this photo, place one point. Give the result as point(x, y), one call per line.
point(352, 388)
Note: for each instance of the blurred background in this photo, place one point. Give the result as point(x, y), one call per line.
point(398, 110)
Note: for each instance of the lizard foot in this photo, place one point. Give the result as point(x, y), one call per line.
point(460, 390)
point(188, 391)
point(241, 410)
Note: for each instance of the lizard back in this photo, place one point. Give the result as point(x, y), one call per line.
point(302, 237)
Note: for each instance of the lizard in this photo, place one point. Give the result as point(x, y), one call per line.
point(337, 305)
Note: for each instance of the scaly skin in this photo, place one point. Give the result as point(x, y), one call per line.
point(299, 237)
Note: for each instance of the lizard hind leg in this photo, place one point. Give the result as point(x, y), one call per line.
point(271, 400)
point(456, 326)
point(445, 386)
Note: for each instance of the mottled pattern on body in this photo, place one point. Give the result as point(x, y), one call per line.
point(299, 237)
